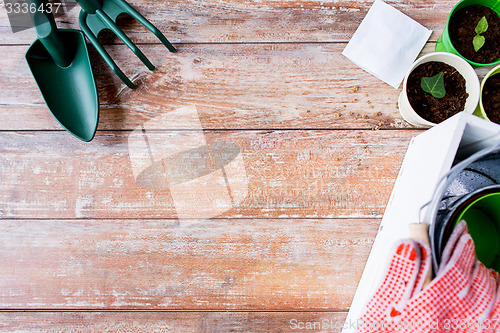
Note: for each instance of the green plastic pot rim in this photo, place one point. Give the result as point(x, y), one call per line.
point(480, 112)
point(481, 238)
point(453, 49)
point(464, 211)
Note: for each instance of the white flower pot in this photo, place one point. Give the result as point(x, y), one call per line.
point(466, 70)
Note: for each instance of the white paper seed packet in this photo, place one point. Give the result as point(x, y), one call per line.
point(386, 43)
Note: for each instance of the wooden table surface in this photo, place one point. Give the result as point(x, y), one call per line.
point(84, 248)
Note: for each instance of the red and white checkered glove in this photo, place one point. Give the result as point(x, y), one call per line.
point(492, 324)
point(385, 307)
point(461, 298)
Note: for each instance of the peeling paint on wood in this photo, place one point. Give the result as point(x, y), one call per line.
point(186, 264)
point(251, 21)
point(178, 322)
point(300, 174)
point(77, 233)
point(234, 86)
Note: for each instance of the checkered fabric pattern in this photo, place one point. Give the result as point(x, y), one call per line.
point(396, 288)
point(462, 298)
point(492, 324)
point(449, 249)
point(459, 299)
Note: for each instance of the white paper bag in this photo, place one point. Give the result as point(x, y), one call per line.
point(386, 43)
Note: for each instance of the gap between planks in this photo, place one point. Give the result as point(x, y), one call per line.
point(62, 310)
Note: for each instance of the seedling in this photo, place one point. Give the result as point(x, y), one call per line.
point(479, 40)
point(434, 85)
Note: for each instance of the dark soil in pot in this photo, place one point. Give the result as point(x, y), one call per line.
point(491, 98)
point(431, 108)
point(462, 31)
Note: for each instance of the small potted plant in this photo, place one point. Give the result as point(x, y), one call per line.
point(489, 100)
point(473, 32)
point(438, 86)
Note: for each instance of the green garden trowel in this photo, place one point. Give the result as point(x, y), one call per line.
point(60, 64)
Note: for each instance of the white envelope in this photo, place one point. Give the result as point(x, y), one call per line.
point(386, 43)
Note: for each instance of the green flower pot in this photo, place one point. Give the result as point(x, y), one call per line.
point(444, 43)
point(480, 109)
point(483, 222)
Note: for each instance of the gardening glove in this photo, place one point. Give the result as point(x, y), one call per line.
point(462, 296)
point(384, 308)
point(460, 299)
point(492, 324)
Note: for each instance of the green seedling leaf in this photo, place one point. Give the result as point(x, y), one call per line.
point(434, 85)
point(482, 26)
point(478, 42)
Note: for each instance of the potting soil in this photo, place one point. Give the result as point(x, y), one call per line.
point(491, 98)
point(462, 31)
point(431, 108)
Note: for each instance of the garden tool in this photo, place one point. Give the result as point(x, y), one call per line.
point(420, 232)
point(60, 64)
point(97, 15)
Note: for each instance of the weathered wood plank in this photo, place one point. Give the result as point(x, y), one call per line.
point(233, 86)
point(178, 322)
point(251, 21)
point(183, 264)
point(289, 174)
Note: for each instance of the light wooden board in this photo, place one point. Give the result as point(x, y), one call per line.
point(80, 241)
point(183, 264)
point(299, 174)
point(233, 86)
point(250, 21)
point(178, 322)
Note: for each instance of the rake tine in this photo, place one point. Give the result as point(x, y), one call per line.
point(134, 13)
point(104, 54)
point(113, 27)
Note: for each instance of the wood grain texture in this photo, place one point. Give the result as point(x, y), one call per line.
point(290, 174)
point(183, 264)
point(178, 322)
point(85, 247)
point(234, 86)
point(251, 21)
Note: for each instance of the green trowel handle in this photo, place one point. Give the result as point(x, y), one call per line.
point(47, 33)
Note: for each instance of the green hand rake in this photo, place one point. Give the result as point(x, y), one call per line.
point(97, 15)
